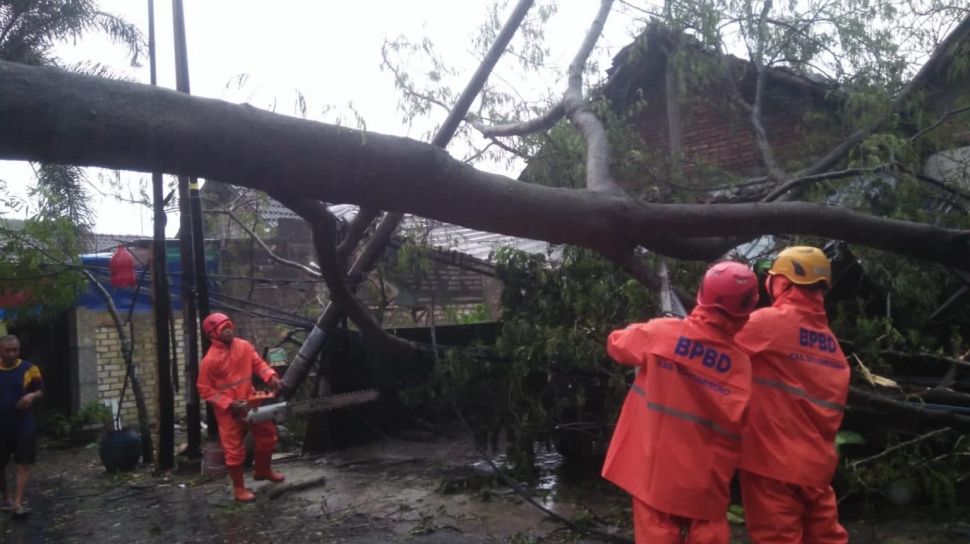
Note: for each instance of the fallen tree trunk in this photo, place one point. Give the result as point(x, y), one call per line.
point(49, 115)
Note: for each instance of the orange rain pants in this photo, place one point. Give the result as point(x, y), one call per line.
point(780, 513)
point(652, 526)
point(226, 374)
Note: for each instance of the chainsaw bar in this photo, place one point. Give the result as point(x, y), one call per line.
point(279, 410)
point(332, 402)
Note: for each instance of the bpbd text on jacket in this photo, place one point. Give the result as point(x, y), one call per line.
point(711, 358)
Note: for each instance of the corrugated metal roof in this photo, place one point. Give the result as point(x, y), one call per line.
point(105, 243)
point(475, 243)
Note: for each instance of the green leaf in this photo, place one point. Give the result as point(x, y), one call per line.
point(849, 437)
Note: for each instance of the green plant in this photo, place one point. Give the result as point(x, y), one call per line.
point(91, 413)
point(735, 514)
point(551, 382)
point(58, 426)
point(85, 425)
point(847, 437)
point(922, 469)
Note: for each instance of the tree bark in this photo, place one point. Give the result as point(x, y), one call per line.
point(147, 450)
point(48, 115)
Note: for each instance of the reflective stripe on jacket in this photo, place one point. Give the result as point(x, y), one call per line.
point(226, 372)
point(800, 385)
point(678, 439)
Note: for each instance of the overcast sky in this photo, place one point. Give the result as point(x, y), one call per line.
point(328, 50)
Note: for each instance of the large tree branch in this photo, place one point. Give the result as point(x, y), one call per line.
point(573, 105)
point(544, 122)
point(841, 150)
point(598, 177)
point(355, 233)
point(252, 234)
point(761, 134)
point(754, 111)
point(855, 464)
point(366, 260)
point(369, 255)
point(49, 115)
point(635, 266)
point(324, 227)
point(946, 115)
point(798, 182)
point(908, 411)
point(131, 371)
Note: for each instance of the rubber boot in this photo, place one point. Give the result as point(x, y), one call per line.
point(239, 485)
point(262, 470)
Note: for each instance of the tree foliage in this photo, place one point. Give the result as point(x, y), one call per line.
point(29, 32)
point(30, 29)
point(596, 183)
point(38, 274)
point(38, 255)
point(555, 380)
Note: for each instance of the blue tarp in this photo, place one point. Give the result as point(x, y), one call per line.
point(98, 264)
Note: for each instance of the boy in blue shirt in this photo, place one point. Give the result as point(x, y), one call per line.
point(20, 386)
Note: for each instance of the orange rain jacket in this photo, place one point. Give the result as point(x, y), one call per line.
point(226, 374)
point(800, 384)
point(678, 439)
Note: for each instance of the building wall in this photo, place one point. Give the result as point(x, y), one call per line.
point(458, 292)
point(100, 370)
point(715, 134)
point(286, 289)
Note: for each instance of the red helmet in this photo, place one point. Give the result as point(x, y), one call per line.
point(213, 323)
point(730, 286)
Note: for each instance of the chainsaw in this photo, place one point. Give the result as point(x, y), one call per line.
point(280, 410)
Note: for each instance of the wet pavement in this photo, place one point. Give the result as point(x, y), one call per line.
point(434, 490)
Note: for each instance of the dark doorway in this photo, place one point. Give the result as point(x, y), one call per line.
point(46, 343)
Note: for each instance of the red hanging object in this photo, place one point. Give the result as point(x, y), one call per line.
point(122, 268)
point(13, 299)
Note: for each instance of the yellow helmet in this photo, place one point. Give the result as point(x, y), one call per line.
point(803, 265)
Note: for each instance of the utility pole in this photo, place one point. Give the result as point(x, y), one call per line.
point(195, 288)
point(165, 398)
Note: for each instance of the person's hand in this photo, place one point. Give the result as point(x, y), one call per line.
point(239, 406)
point(275, 384)
point(26, 401)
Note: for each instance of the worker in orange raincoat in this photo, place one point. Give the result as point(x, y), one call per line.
point(226, 382)
point(678, 439)
point(799, 387)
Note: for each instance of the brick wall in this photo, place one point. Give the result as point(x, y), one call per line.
point(100, 367)
point(716, 135)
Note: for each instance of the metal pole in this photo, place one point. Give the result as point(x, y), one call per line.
point(165, 399)
point(193, 254)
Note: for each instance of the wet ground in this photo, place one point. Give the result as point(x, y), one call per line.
point(425, 491)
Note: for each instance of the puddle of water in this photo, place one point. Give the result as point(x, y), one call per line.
point(566, 489)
